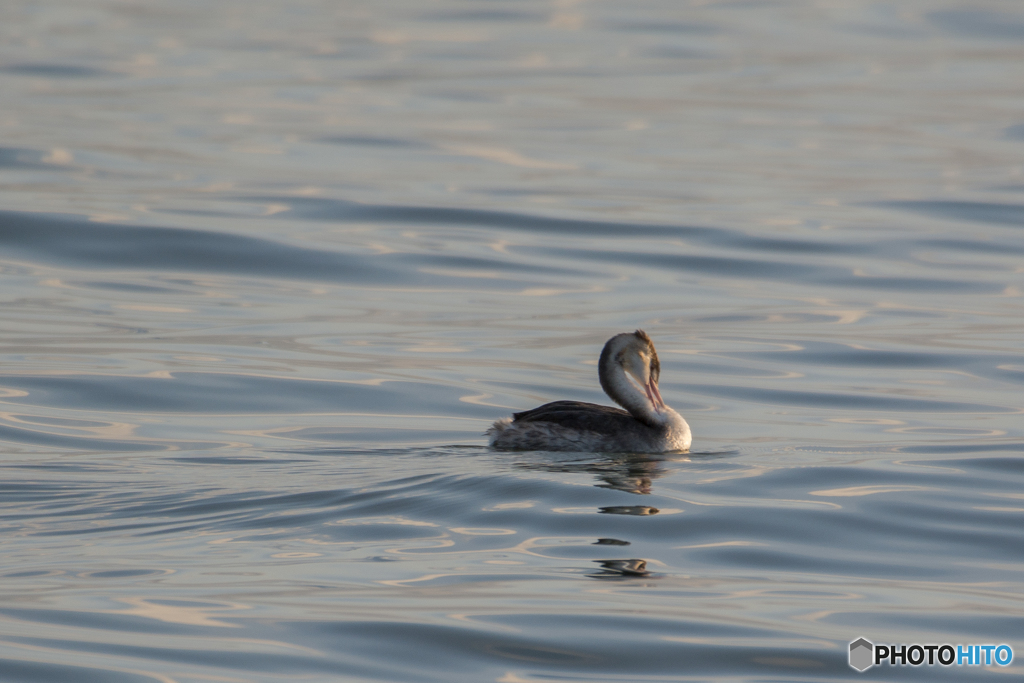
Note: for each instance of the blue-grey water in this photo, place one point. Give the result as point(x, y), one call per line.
point(268, 270)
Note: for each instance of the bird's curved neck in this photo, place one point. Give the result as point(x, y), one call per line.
point(628, 393)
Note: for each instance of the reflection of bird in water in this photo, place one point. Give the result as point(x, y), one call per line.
point(629, 472)
point(628, 371)
point(632, 474)
point(635, 510)
point(620, 568)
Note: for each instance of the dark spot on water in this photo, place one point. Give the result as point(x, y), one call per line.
point(610, 541)
point(636, 510)
point(122, 573)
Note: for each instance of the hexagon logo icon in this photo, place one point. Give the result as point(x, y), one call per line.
point(862, 654)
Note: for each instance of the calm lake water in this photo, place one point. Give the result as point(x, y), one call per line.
point(269, 269)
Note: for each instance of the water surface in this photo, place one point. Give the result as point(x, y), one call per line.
point(269, 269)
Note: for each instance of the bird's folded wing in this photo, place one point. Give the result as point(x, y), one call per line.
point(580, 416)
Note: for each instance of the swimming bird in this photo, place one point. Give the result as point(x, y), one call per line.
point(629, 371)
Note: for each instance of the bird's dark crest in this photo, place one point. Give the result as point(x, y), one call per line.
point(655, 363)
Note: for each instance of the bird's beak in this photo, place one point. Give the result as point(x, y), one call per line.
point(653, 394)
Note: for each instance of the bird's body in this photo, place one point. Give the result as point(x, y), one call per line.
point(629, 371)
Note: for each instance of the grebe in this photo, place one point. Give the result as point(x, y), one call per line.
point(628, 371)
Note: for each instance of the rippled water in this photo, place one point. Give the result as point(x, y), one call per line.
point(269, 269)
